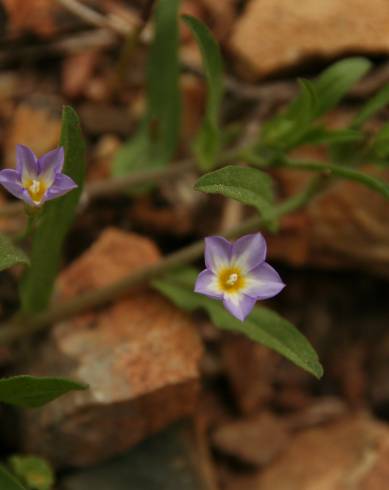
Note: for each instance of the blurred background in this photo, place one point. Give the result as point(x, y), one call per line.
point(176, 404)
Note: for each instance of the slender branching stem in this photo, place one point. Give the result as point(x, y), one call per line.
point(23, 326)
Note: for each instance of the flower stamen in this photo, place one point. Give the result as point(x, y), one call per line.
point(231, 279)
point(36, 189)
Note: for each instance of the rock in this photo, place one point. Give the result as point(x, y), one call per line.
point(273, 35)
point(36, 123)
point(77, 71)
point(170, 460)
point(37, 17)
point(254, 441)
point(322, 411)
point(139, 356)
point(250, 368)
point(103, 117)
point(350, 454)
point(103, 155)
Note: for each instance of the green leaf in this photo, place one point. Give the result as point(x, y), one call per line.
point(292, 127)
point(7, 481)
point(31, 391)
point(334, 83)
point(262, 325)
point(319, 135)
point(135, 154)
point(244, 184)
point(302, 109)
point(376, 103)
point(10, 254)
point(208, 141)
point(35, 472)
point(57, 217)
point(155, 142)
point(379, 147)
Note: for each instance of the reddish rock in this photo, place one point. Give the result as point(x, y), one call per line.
point(255, 441)
point(350, 454)
point(273, 35)
point(250, 368)
point(140, 358)
point(37, 124)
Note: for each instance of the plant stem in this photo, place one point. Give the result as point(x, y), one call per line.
point(117, 185)
point(342, 171)
point(22, 326)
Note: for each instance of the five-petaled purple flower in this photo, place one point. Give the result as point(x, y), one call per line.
point(37, 180)
point(237, 273)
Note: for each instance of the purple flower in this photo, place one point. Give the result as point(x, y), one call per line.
point(37, 180)
point(237, 273)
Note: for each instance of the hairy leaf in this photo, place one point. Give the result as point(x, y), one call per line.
point(262, 325)
point(244, 184)
point(31, 391)
point(8, 481)
point(10, 254)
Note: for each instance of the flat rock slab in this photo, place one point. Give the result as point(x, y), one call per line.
point(350, 454)
point(139, 356)
point(167, 461)
point(255, 441)
point(272, 35)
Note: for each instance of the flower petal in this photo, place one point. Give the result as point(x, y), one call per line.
point(249, 251)
point(26, 162)
point(10, 179)
point(207, 283)
point(217, 252)
point(263, 282)
point(51, 163)
point(61, 185)
point(239, 305)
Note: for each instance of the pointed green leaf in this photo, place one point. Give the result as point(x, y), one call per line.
point(262, 325)
point(302, 109)
point(155, 142)
point(319, 135)
point(379, 148)
point(289, 128)
point(10, 254)
point(334, 83)
point(244, 184)
point(208, 141)
point(376, 103)
point(56, 220)
point(31, 391)
point(8, 481)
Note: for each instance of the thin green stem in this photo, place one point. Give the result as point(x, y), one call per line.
point(22, 326)
point(342, 171)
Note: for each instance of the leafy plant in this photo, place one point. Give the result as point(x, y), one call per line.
point(56, 219)
point(263, 325)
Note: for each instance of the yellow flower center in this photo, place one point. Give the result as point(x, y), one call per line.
point(231, 279)
point(36, 189)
